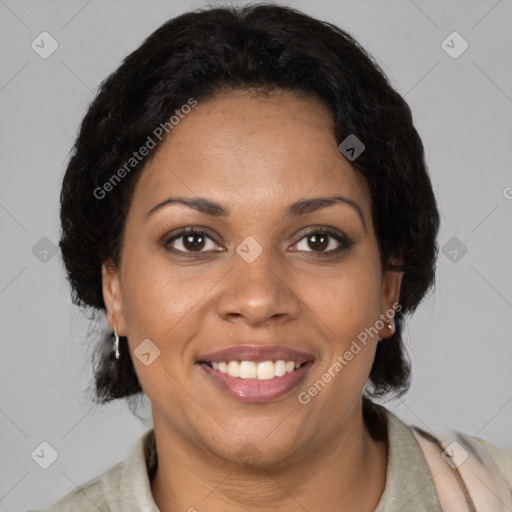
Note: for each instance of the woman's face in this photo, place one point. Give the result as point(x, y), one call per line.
point(262, 273)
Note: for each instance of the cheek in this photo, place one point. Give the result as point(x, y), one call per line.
point(347, 301)
point(156, 295)
point(157, 302)
point(346, 310)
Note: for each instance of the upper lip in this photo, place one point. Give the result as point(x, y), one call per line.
point(256, 353)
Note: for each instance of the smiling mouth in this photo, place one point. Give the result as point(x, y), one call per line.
point(256, 382)
point(264, 370)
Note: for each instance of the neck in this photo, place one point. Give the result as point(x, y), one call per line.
point(345, 472)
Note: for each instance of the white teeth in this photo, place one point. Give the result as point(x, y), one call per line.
point(290, 366)
point(280, 368)
point(234, 369)
point(264, 370)
point(247, 370)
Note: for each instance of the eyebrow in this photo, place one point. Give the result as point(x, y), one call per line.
point(297, 209)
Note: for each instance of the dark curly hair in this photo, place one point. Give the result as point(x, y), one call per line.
point(263, 47)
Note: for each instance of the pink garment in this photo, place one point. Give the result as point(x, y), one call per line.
point(466, 477)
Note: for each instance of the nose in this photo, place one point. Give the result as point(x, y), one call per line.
point(258, 293)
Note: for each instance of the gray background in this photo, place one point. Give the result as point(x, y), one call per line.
point(459, 340)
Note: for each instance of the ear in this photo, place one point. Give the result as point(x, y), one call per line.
point(389, 300)
point(111, 287)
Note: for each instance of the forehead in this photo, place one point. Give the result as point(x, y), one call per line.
point(251, 149)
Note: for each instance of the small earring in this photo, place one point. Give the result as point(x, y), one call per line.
point(114, 355)
point(390, 327)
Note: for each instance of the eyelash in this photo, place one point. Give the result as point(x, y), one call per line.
point(345, 242)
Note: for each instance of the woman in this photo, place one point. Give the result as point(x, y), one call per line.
point(248, 202)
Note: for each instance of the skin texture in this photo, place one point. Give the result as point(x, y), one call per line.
point(255, 154)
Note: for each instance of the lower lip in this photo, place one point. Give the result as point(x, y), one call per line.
point(254, 390)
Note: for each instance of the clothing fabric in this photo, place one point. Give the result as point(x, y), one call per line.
point(126, 487)
point(466, 477)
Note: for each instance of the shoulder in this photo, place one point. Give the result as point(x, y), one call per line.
point(125, 486)
point(501, 456)
point(416, 456)
point(88, 496)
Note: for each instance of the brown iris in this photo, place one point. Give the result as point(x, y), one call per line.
point(318, 241)
point(190, 245)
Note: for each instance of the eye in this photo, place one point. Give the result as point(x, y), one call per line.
point(190, 240)
point(323, 241)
